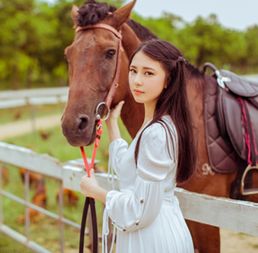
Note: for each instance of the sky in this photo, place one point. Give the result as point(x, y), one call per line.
point(237, 14)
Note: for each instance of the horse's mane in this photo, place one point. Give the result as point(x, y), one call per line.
point(142, 32)
point(93, 12)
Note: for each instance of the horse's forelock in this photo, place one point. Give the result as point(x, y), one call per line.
point(92, 12)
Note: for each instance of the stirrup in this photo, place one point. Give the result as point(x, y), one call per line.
point(249, 191)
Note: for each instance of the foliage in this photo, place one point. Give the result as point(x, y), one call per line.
point(251, 38)
point(34, 34)
point(206, 40)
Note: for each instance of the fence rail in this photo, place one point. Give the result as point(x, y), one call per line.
point(235, 215)
point(12, 99)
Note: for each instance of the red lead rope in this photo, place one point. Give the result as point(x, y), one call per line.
point(88, 166)
point(89, 202)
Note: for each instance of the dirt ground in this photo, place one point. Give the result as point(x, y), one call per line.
point(26, 126)
point(238, 243)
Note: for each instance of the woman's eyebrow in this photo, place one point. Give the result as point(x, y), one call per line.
point(148, 68)
point(145, 68)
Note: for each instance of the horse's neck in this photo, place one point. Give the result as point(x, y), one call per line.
point(132, 113)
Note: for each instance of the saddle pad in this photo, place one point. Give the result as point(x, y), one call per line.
point(222, 156)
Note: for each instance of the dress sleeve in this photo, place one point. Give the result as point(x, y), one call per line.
point(135, 209)
point(117, 149)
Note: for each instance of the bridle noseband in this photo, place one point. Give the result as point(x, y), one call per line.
point(89, 202)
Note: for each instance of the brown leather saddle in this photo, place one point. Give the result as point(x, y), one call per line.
point(231, 122)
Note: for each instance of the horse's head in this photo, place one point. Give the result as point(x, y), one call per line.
point(92, 62)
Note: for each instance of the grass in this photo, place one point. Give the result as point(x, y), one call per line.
point(8, 245)
point(45, 231)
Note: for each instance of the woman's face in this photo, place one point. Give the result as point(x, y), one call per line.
point(147, 78)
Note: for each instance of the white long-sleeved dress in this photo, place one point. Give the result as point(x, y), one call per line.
point(145, 211)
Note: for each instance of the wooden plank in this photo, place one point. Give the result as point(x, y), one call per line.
point(50, 100)
point(235, 215)
point(28, 93)
point(26, 158)
point(12, 103)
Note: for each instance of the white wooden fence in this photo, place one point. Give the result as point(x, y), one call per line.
point(235, 215)
point(11, 98)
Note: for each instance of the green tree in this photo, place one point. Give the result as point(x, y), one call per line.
point(17, 40)
point(34, 34)
point(251, 37)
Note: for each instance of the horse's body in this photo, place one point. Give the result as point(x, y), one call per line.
point(84, 97)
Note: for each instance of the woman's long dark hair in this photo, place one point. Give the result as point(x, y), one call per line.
point(173, 101)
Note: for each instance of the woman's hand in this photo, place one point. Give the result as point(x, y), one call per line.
point(115, 113)
point(112, 122)
point(90, 188)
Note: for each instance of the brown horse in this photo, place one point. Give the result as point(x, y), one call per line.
point(92, 65)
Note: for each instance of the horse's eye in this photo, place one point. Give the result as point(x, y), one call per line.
point(110, 53)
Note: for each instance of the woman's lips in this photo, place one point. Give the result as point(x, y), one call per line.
point(138, 92)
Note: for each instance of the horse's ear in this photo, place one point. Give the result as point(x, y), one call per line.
point(121, 15)
point(74, 15)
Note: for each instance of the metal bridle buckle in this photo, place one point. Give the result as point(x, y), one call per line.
point(245, 191)
point(222, 79)
point(100, 112)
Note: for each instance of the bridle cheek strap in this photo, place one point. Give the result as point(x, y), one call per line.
point(118, 34)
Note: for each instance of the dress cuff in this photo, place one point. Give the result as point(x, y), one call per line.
point(109, 196)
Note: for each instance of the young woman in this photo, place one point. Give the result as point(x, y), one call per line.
point(145, 211)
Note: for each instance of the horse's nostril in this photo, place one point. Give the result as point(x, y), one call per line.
point(83, 122)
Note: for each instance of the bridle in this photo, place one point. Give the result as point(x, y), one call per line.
point(90, 202)
point(114, 84)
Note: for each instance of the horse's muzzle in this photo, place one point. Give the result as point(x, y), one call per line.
point(79, 132)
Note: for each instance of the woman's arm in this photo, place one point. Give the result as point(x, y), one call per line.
point(113, 129)
point(112, 122)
